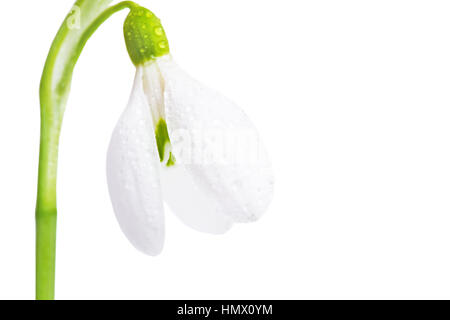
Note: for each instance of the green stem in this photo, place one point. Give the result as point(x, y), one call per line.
point(54, 91)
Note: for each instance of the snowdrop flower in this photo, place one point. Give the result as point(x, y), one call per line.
point(181, 143)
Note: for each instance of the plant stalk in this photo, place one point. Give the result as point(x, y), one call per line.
point(54, 91)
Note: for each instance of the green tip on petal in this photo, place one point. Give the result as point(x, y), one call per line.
point(163, 143)
point(171, 162)
point(144, 36)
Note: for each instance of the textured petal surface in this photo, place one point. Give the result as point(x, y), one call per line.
point(217, 147)
point(133, 171)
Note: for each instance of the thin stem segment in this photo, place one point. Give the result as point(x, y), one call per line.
point(55, 87)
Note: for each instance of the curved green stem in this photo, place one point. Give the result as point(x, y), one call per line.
point(105, 15)
point(54, 90)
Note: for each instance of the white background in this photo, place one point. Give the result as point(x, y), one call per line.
point(353, 101)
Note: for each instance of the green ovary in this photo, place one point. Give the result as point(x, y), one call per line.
point(144, 36)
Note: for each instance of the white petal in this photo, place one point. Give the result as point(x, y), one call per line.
point(133, 175)
point(152, 84)
point(216, 144)
point(195, 207)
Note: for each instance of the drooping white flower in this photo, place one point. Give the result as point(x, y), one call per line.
point(181, 143)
